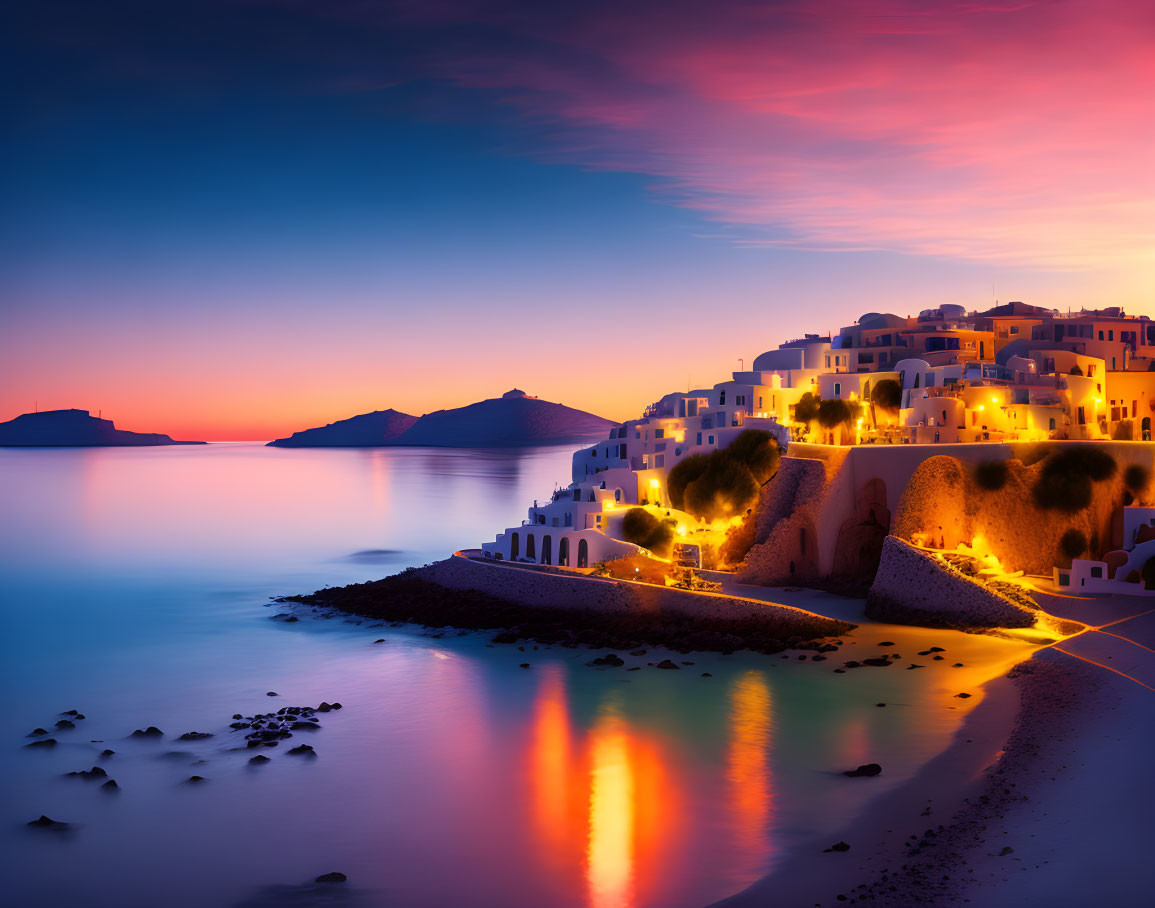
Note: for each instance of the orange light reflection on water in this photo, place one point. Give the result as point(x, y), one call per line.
point(610, 854)
point(748, 769)
point(606, 804)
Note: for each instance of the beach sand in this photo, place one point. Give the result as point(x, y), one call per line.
point(1043, 798)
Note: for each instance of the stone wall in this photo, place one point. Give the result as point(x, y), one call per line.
point(556, 589)
point(916, 587)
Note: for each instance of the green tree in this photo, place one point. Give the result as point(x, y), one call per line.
point(806, 410)
point(887, 394)
point(642, 528)
point(685, 472)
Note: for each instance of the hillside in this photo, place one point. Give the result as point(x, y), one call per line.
point(369, 430)
point(75, 428)
point(512, 420)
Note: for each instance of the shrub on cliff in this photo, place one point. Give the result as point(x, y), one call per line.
point(1066, 478)
point(991, 475)
point(684, 473)
point(726, 488)
point(887, 394)
point(642, 528)
point(725, 482)
point(1136, 478)
point(758, 450)
point(1073, 543)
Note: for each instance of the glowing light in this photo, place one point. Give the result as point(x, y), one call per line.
point(747, 770)
point(654, 483)
point(981, 408)
point(610, 856)
point(681, 529)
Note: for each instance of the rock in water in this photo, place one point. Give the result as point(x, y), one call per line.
point(331, 878)
point(666, 663)
point(867, 769)
point(48, 823)
point(838, 846)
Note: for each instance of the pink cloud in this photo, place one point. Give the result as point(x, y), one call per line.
point(1009, 131)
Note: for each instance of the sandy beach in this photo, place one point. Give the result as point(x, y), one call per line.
point(1045, 788)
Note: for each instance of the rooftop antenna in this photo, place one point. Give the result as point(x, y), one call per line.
point(741, 364)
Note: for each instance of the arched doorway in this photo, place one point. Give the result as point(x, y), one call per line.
point(547, 550)
point(583, 553)
point(514, 549)
point(1146, 424)
point(530, 550)
point(563, 552)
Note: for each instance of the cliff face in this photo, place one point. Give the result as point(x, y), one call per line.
point(369, 430)
point(506, 422)
point(944, 504)
point(827, 514)
point(75, 428)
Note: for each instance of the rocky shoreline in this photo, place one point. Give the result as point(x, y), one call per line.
point(410, 598)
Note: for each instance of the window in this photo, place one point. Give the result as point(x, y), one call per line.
point(759, 401)
point(1082, 417)
point(1052, 423)
point(1110, 335)
point(740, 399)
point(722, 396)
point(1014, 329)
point(711, 439)
point(660, 433)
point(838, 389)
point(1097, 572)
point(1100, 335)
point(699, 438)
point(1064, 580)
point(617, 494)
point(828, 362)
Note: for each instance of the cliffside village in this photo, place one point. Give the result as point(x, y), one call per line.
point(1014, 373)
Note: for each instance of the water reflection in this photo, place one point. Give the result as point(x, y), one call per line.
point(610, 855)
point(748, 767)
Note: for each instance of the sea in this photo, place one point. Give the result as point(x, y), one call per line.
point(137, 587)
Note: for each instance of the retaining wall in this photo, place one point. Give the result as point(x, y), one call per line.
point(554, 589)
point(912, 587)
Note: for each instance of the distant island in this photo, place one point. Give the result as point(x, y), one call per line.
point(75, 428)
point(369, 430)
point(513, 420)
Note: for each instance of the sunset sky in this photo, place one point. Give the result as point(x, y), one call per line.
point(231, 220)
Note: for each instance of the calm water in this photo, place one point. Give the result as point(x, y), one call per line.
point(134, 589)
